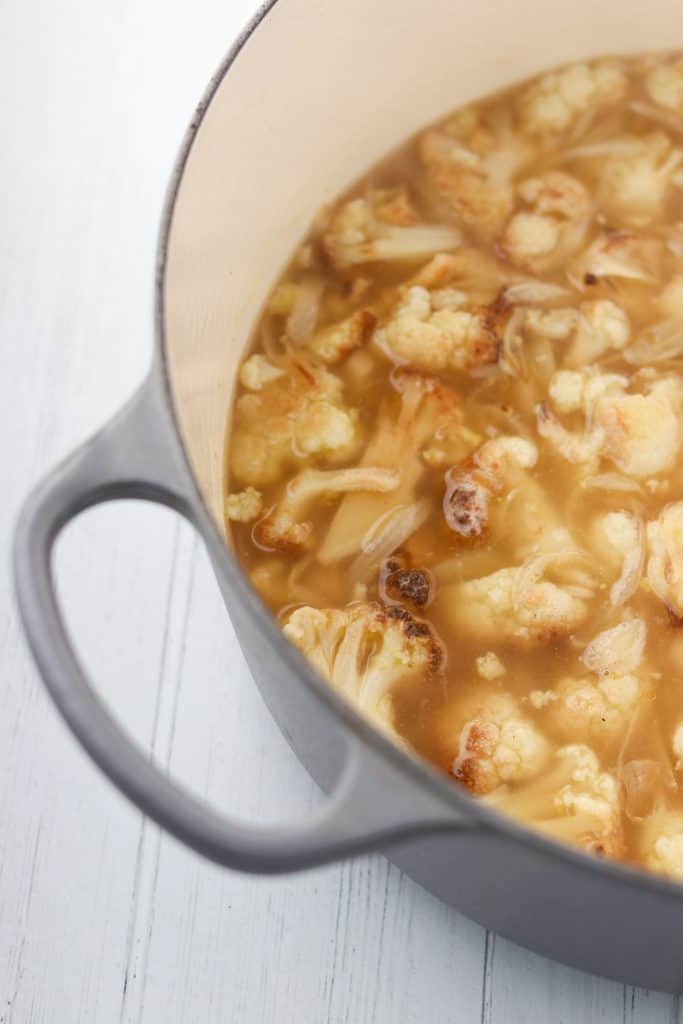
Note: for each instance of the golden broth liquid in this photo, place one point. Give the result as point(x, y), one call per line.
point(520, 264)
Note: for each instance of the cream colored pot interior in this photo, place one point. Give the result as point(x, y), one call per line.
point(320, 91)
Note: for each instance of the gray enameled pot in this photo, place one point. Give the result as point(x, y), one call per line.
point(303, 103)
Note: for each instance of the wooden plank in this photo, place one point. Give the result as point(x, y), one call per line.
point(356, 943)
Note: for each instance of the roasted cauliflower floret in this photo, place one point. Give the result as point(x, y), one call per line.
point(244, 506)
point(580, 448)
point(333, 343)
point(554, 225)
point(426, 333)
point(633, 186)
point(256, 371)
point(579, 390)
point(665, 85)
point(602, 709)
point(512, 606)
point(288, 419)
point(620, 540)
point(401, 584)
point(662, 844)
point(489, 741)
point(470, 169)
point(642, 432)
point(362, 232)
point(639, 433)
point(601, 327)
point(285, 527)
point(572, 801)
point(665, 561)
point(489, 666)
point(366, 652)
point(552, 102)
point(599, 710)
point(429, 415)
point(495, 467)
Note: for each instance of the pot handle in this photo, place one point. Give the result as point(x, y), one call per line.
point(135, 456)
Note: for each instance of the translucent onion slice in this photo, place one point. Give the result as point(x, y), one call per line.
point(303, 319)
point(656, 343)
point(387, 534)
point(534, 292)
point(632, 568)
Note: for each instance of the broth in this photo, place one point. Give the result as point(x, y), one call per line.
point(454, 467)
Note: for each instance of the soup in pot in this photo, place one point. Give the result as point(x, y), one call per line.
point(454, 468)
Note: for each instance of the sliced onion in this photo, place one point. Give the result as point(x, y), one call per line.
point(611, 482)
point(303, 319)
point(534, 292)
point(661, 341)
point(618, 650)
point(608, 147)
point(670, 121)
point(512, 359)
point(387, 534)
point(632, 568)
point(642, 781)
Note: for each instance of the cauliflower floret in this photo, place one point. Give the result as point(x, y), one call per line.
point(489, 666)
point(552, 102)
point(508, 606)
point(662, 844)
point(633, 187)
point(429, 413)
point(665, 562)
point(335, 342)
point(599, 710)
point(566, 390)
point(618, 531)
point(257, 371)
point(642, 432)
point(540, 699)
point(400, 584)
point(639, 433)
point(358, 233)
point(601, 327)
point(619, 538)
point(291, 418)
point(430, 336)
point(471, 170)
point(603, 709)
point(492, 741)
point(573, 801)
point(665, 85)
point(496, 466)
point(555, 225)
point(555, 324)
point(577, 448)
point(366, 652)
point(285, 528)
point(244, 506)
point(579, 390)
point(617, 650)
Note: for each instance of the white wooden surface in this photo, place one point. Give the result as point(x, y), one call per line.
point(102, 919)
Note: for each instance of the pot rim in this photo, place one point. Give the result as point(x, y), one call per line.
point(421, 772)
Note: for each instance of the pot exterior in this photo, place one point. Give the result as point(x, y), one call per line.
point(264, 158)
point(606, 925)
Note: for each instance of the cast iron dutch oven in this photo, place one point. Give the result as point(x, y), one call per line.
point(311, 95)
